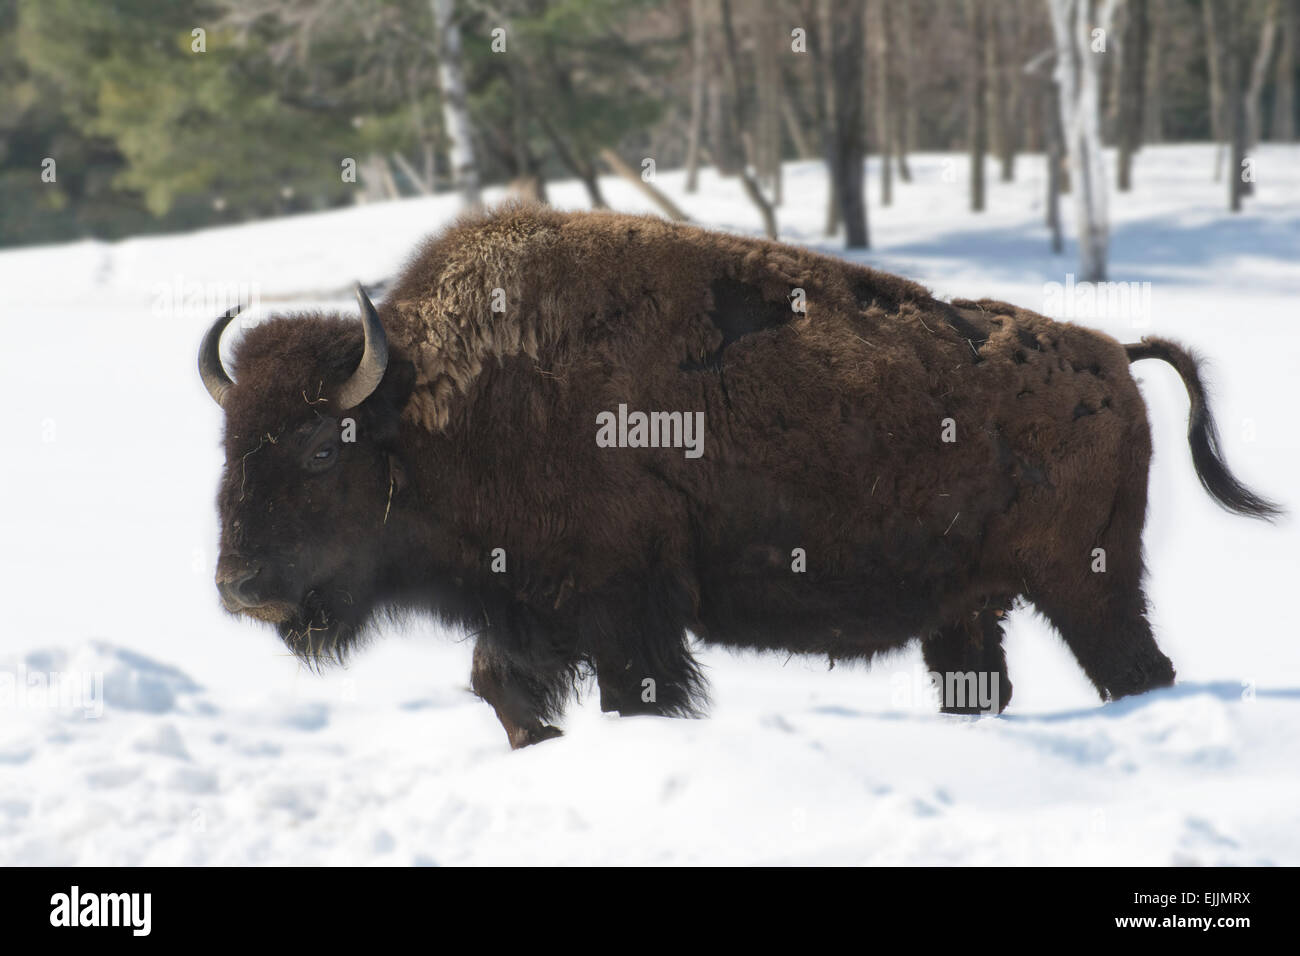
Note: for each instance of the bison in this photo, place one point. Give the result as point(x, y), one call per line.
point(583, 436)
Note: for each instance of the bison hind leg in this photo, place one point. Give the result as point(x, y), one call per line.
point(1087, 582)
point(638, 643)
point(663, 686)
point(969, 664)
point(1108, 632)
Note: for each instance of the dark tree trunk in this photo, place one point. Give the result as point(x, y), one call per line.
point(576, 164)
point(884, 107)
point(905, 110)
point(1132, 92)
point(977, 130)
point(1002, 46)
point(846, 150)
point(699, 82)
point(1257, 74)
point(527, 167)
point(796, 125)
point(738, 121)
point(817, 12)
point(1055, 156)
point(1214, 64)
point(1153, 124)
point(1234, 105)
point(767, 80)
point(722, 148)
point(1283, 126)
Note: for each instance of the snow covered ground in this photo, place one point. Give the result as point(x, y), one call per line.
point(184, 737)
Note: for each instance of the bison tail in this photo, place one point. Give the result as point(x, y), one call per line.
point(1202, 435)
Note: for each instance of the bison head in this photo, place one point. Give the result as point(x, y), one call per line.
point(312, 467)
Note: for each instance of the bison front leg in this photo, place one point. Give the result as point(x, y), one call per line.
point(969, 664)
point(522, 697)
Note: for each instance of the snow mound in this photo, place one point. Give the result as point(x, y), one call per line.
point(98, 677)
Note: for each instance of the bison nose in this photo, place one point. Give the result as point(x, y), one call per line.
point(235, 588)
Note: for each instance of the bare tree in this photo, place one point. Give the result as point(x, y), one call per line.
point(738, 120)
point(652, 192)
point(529, 181)
point(845, 149)
point(795, 125)
point(818, 13)
point(1214, 62)
point(1131, 94)
point(1234, 112)
point(1153, 118)
point(1040, 67)
point(1244, 66)
point(1231, 51)
point(1004, 38)
point(455, 109)
point(885, 110)
point(900, 45)
point(1077, 76)
point(722, 149)
point(699, 83)
point(1283, 125)
point(768, 37)
point(977, 118)
point(1055, 150)
point(1258, 74)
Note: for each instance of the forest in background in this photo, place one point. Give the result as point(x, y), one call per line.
point(151, 115)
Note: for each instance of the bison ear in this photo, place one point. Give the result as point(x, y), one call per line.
point(384, 407)
point(397, 384)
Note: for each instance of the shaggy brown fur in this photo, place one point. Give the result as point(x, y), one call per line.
point(824, 436)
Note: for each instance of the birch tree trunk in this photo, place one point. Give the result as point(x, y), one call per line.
point(1077, 78)
point(455, 109)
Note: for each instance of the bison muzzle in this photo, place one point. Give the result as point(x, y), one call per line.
point(874, 466)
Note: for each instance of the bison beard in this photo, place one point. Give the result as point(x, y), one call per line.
point(880, 468)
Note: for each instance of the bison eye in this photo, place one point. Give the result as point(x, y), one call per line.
point(322, 458)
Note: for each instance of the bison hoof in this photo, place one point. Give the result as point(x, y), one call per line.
point(989, 696)
point(524, 736)
point(1149, 673)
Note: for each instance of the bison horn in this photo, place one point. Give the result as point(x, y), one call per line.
point(374, 360)
point(211, 370)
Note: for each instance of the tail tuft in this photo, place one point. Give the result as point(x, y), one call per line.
point(1202, 435)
